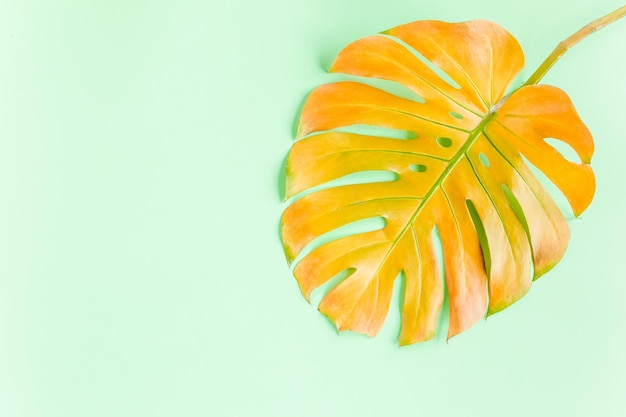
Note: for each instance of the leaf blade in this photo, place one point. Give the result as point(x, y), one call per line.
point(463, 174)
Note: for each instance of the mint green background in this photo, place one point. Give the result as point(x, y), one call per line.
point(141, 272)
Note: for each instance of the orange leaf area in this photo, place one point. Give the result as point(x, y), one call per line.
point(464, 173)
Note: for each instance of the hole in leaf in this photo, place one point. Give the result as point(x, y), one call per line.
point(436, 239)
point(369, 224)
point(361, 177)
point(519, 213)
point(564, 149)
point(391, 87)
point(364, 177)
point(482, 235)
point(444, 314)
point(445, 142)
point(418, 167)
point(484, 160)
point(318, 294)
point(371, 130)
point(516, 84)
point(556, 194)
point(401, 283)
point(515, 205)
point(392, 326)
point(440, 73)
point(456, 115)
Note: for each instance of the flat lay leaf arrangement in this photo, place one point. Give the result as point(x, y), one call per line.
point(461, 171)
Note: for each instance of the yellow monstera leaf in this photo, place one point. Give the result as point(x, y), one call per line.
point(463, 172)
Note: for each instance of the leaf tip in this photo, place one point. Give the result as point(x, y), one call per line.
point(302, 130)
point(289, 255)
point(407, 340)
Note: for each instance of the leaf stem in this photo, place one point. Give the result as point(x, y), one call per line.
point(573, 40)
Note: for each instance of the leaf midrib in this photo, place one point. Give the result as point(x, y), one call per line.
point(453, 162)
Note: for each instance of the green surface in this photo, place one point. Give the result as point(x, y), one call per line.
point(141, 272)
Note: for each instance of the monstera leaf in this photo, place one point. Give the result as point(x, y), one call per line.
point(463, 171)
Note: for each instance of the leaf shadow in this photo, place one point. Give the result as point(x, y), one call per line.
point(282, 178)
point(326, 59)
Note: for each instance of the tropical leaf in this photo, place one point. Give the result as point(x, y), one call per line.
point(463, 172)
